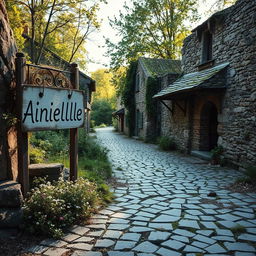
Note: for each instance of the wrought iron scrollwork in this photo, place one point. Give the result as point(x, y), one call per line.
point(49, 77)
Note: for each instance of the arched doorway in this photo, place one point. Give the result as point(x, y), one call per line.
point(208, 126)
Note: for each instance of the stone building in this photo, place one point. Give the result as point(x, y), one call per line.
point(214, 102)
point(120, 117)
point(149, 70)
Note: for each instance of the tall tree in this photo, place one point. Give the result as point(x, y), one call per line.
point(55, 18)
point(154, 28)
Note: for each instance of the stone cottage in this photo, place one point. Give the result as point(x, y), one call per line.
point(149, 70)
point(214, 102)
point(119, 115)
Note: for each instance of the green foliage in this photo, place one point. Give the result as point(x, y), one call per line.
point(167, 143)
point(128, 96)
point(36, 155)
point(155, 28)
point(238, 229)
point(50, 208)
point(102, 112)
point(216, 154)
point(251, 173)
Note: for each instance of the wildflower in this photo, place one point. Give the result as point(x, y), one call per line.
point(61, 218)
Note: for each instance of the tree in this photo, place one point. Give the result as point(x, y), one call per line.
point(101, 112)
point(105, 88)
point(57, 18)
point(154, 28)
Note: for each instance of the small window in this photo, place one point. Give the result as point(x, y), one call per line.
point(137, 85)
point(206, 46)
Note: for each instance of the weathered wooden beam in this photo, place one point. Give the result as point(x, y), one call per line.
point(23, 174)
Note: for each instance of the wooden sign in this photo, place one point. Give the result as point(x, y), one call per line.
point(45, 108)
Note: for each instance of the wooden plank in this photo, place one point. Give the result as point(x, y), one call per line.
point(73, 151)
point(23, 174)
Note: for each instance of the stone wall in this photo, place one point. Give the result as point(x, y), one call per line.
point(8, 139)
point(234, 42)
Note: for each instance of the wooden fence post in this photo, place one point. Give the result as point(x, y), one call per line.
point(23, 174)
point(73, 150)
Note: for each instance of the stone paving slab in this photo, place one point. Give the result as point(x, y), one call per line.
point(162, 208)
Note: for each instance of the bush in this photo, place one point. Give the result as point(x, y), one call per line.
point(51, 208)
point(167, 143)
point(216, 154)
point(36, 155)
point(251, 173)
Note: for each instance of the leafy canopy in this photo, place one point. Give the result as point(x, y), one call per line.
point(153, 28)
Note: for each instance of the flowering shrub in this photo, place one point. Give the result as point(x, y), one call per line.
point(51, 208)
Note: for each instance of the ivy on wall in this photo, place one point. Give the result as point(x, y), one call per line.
point(128, 96)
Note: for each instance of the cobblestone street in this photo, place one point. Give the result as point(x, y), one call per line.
point(162, 207)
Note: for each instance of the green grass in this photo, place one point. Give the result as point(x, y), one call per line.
point(238, 229)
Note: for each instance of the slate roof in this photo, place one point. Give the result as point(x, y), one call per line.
point(118, 112)
point(160, 67)
point(196, 80)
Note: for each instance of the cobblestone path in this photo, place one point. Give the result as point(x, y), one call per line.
point(162, 208)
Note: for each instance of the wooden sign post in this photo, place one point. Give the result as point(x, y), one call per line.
point(47, 106)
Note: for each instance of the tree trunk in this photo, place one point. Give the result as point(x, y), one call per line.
point(8, 137)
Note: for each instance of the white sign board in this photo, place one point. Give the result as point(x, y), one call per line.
point(45, 108)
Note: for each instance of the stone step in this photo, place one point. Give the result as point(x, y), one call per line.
point(10, 194)
point(205, 155)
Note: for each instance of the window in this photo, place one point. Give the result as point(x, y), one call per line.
point(137, 85)
point(206, 46)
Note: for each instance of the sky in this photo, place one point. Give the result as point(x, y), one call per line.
point(96, 47)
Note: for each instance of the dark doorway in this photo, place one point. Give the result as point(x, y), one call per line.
point(208, 127)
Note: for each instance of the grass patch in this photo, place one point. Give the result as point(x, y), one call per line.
point(166, 143)
point(238, 229)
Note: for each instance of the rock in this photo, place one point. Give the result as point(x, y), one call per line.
point(212, 194)
point(10, 217)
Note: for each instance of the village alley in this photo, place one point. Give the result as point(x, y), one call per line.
point(162, 207)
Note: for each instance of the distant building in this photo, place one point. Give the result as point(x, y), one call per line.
point(147, 126)
point(214, 102)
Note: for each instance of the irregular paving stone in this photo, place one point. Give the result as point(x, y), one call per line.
point(140, 229)
point(84, 253)
point(37, 249)
point(173, 244)
point(247, 237)
point(146, 247)
point(83, 239)
point(56, 251)
point(158, 236)
point(166, 218)
point(223, 232)
point(118, 221)
point(79, 230)
point(80, 246)
point(53, 243)
point(118, 226)
point(122, 245)
point(204, 239)
point(95, 233)
point(131, 236)
point(190, 248)
point(180, 238)
point(183, 232)
point(104, 243)
point(163, 226)
point(174, 212)
point(244, 254)
point(243, 247)
point(224, 238)
point(189, 224)
point(70, 237)
point(117, 253)
point(215, 248)
point(112, 234)
point(205, 232)
point(199, 244)
point(209, 224)
point(166, 252)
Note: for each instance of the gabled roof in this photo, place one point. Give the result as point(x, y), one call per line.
point(160, 67)
point(196, 80)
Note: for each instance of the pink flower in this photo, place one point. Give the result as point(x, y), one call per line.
point(61, 218)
